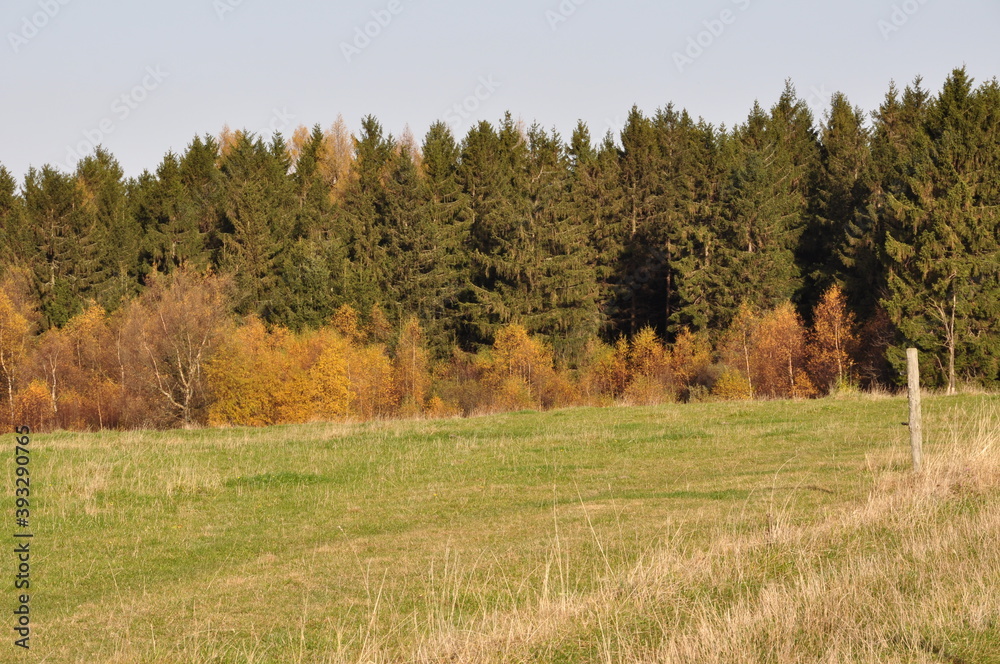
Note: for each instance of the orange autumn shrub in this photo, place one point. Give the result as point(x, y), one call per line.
point(690, 361)
point(34, 407)
point(520, 372)
point(650, 378)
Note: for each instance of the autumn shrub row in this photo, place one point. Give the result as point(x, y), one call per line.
point(174, 357)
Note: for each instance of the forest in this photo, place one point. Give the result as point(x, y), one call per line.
point(330, 275)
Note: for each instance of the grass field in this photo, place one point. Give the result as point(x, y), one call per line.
point(730, 532)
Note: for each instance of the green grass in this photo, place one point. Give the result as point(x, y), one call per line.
point(329, 542)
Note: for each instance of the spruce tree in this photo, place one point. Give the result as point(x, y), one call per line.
point(65, 252)
point(764, 210)
point(171, 219)
point(15, 246)
point(561, 281)
point(112, 238)
point(597, 201)
point(363, 209)
point(831, 251)
point(493, 172)
point(442, 279)
point(942, 221)
point(308, 291)
point(257, 219)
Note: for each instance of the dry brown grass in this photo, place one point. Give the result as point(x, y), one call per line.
point(911, 575)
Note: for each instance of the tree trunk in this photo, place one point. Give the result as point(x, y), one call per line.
point(951, 347)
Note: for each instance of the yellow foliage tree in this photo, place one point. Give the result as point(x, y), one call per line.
point(832, 340)
point(14, 336)
point(605, 372)
point(328, 377)
point(651, 381)
point(297, 143)
point(520, 371)
point(347, 322)
point(336, 157)
point(778, 355)
point(34, 406)
point(241, 378)
point(690, 356)
point(91, 388)
point(370, 374)
point(379, 329)
point(411, 368)
point(737, 343)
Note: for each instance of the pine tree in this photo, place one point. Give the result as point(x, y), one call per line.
point(831, 252)
point(942, 244)
point(441, 249)
point(65, 252)
point(307, 288)
point(644, 265)
point(697, 238)
point(597, 201)
point(493, 172)
point(364, 208)
point(114, 234)
point(203, 181)
point(15, 246)
point(258, 219)
point(561, 281)
point(171, 219)
point(404, 217)
point(764, 209)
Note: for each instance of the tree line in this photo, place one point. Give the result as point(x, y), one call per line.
point(674, 228)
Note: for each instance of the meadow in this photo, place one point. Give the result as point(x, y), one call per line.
point(782, 531)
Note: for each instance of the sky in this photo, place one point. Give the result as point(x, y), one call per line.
point(143, 78)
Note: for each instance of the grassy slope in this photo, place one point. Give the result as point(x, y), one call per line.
point(580, 535)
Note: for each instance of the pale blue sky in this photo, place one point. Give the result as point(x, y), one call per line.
point(188, 67)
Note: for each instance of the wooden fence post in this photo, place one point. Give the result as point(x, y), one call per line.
point(913, 383)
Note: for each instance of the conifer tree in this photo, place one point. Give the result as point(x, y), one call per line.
point(942, 220)
point(314, 255)
point(15, 246)
point(831, 251)
point(258, 219)
point(765, 208)
point(441, 249)
point(597, 200)
point(493, 172)
point(112, 234)
point(561, 281)
point(171, 218)
point(65, 252)
point(364, 208)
